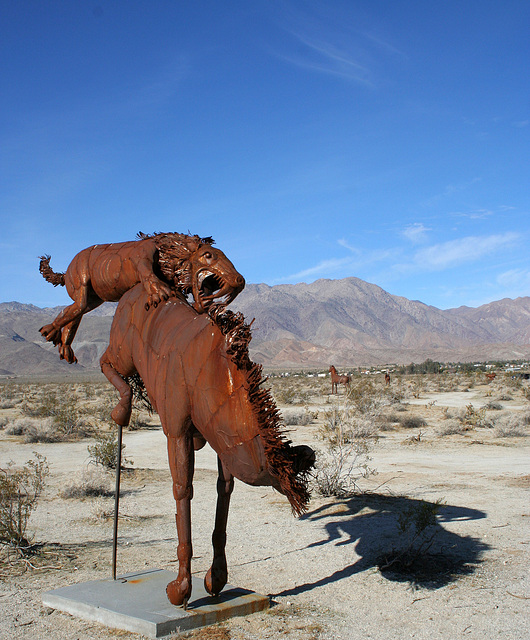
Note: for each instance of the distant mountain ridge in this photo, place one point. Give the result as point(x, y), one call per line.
point(347, 322)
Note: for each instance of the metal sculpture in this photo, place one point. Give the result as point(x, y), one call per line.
point(337, 379)
point(196, 372)
point(166, 264)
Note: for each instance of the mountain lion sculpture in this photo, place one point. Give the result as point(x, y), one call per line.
point(166, 264)
point(196, 373)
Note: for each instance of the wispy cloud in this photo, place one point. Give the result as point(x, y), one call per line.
point(324, 267)
point(449, 191)
point(329, 58)
point(456, 252)
point(342, 267)
point(416, 232)
point(334, 42)
point(344, 243)
point(515, 278)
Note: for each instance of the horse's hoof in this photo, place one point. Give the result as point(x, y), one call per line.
point(179, 593)
point(215, 581)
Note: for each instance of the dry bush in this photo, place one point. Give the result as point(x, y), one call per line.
point(339, 469)
point(62, 406)
point(104, 451)
point(493, 406)
point(367, 397)
point(452, 427)
point(91, 483)
point(349, 437)
point(476, 417)
point(20, 489)
point(289, 390)
point(298, 417)
point(511, 425)
point(412, 422)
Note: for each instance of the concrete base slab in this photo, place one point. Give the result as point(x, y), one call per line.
point(137, 602)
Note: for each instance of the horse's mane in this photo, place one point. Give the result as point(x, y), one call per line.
point(174, 251)
point(277, 447)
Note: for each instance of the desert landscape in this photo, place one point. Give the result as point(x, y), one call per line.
point(417, 528)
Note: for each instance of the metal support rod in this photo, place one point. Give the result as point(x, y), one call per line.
point(116, 503)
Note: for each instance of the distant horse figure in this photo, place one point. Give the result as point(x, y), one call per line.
point(337, 379)
point(387, 378)
point(491, 376)
point(196, 372)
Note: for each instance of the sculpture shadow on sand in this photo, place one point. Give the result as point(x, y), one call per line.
point(370, 522)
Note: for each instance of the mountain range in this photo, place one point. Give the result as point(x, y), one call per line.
point(347, 322)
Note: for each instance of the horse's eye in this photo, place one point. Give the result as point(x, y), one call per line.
point(208, 255)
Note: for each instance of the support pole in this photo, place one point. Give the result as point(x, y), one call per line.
point(116, 503)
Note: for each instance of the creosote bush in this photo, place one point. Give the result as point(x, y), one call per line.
point(20, 489)
point(349, 438)
point(417, 525)
point(105, 451)
point(91, 483)
point(62, 406)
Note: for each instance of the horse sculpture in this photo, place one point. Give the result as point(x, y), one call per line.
point(337, 379)
point(167, 264)
point(387, 378)
point(196, 372)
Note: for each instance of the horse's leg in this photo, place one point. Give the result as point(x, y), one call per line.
point(217, 575)
point(121, 414)
point(68, 332)
point(181, 462)
point(52, 331)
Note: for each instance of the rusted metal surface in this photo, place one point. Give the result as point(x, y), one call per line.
point(199, 377)
point(166, 264)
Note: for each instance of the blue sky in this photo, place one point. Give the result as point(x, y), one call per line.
point(382, 139)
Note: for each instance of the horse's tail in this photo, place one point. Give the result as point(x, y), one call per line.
point(48, 273)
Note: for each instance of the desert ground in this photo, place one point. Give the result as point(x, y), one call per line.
point(356, 565)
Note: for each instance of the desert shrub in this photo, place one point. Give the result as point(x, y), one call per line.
point(104, 451)
point(339, 468)
point(20, 489)
point(62, 406)
point(349, 439)
point(510, 426)
point(7, 404)
point(3, 422)
point(417, 525)
point(43, 431)
point(20, 426)
point(493, 406)
point(504, 397)
point(92, 483)
point(366, 397)
point(412, 422)
point(344, 425)
point(296, 417)
point(475, 417)
point(452, 427)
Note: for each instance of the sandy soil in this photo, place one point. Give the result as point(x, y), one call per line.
point(320, 570)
